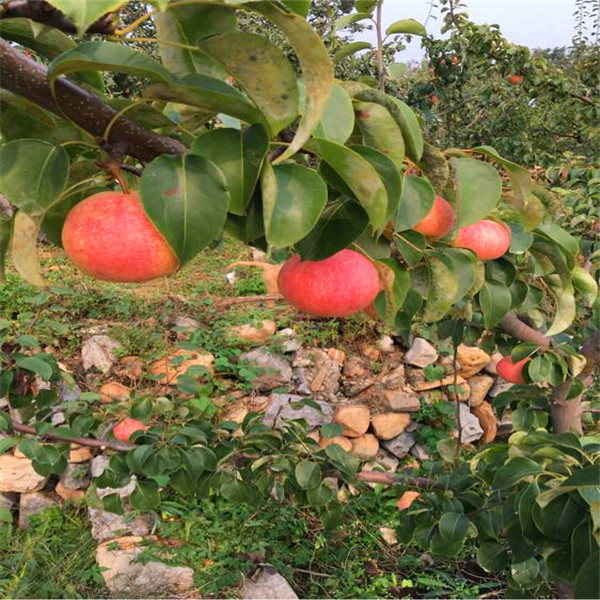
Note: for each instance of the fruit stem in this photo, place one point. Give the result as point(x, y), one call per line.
point(113, 167)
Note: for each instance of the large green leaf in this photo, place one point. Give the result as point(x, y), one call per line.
point(300, 7)
point(566, 307)
point(514, 470)
point(442, 287)
point(380, 130)
point(558, 235)
point(337, 121)
point(495, 301)
point(415, 203)
point(492, 557)
point(23, 247)
point(308, 475)
point(208, 93)
point(339, 225)
point(350, 19)
point(33, 174)
point(480, 188)
point(408, 26)
point(390, 300)
point(145, 496)
point(262, 70)
point(316, 66)
point(435, 167)
point(186, 198)
point(411, 245)
point(587, 582)
point(360, 176)
point(351, 48)
point(239, 154)
point(465, 266)
point(293, 199)
point(453, 526)
point(184, 27)
point(84, 12)
point(560, 516)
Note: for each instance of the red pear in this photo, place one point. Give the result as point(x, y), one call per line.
point(488, 239)
point(123, 430)
point(511, 372)
point(439, 219)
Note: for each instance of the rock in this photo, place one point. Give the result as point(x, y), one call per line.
point(343, 442)
point(76, 476)
point(499, 387)
point(274, 369)
point(9, 500)
point(123, 491)
point(267, 584)
point(318, 371)
point(98, 464)
point(471, 430)
point(336, 355)
point(471, 360)
point(354, 419)
point(400, 446)
point(389, 425)
point(258, 254)
point(33, 503)
point(112, 391)
point(394, 379)
point(491, 366)
point(289, 343)
point(488, 421)
point(314, 435)
point(401, 400)
point(255, 335)
point(17, 475)
point(388, 535)
point(433, 396)
point(480, 385)
point(280, 410)
point(99, 351)
point(130, 367)
point(421, 353)
point(167, 370)
point(463, 391)
point(125, 578)
point(386, 344)
point(419, 451)
point(359, 387)
point(371, 353)
point(73, 496)
point(186, 324)
point(80, 454)
point(106, 525)
point(365, 446)
point(418, 383)
point(355, 367)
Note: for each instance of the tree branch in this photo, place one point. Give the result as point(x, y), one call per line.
point(423, 483)
point(42, 12)
point(512, 325)
point(29, 79)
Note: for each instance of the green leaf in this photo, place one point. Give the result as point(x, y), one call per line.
point(392, 297)
point(300, 7)
point(411, 245)
point(350, 19)
point(539, 369)
point(320, 495)
point(145, 496)
point(566, 307)
point(442, 288)
point(262, 70)
point(520, 238)
point(141, 409)
point(585, 284)
point(480, 188)
point(236, 490)
point(112, 503)
point(514, 470)
point(587, 582)
point(186, 198)
point(524, 573)
point(416, 202)
point(351, 48)
point(293, 199)
point(409, 26)
point(558, 235)
point(36, 365)
point(308, 475)
point(33, 174)
point(84, 13)
point(365, 6)
point(331, 430)
point(316, 66)
point(107, 56)
point(560, 516)
point(6, 515)
point(523, 350)
point(380, 130)
point(337, 122)
point(465, 267)
point(396, 70)
point(453, 526)
point(6, 443)
point(583, 543)
point(360, 176)
point(495, 301)
point(239, 154)
point(340, 224)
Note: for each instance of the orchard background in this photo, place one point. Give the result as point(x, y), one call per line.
point(407, 408)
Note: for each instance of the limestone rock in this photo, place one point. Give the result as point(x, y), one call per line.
point(125, 578)
point(106, 525)
point(274, 370)
point(371, 353)
point(471, 429)
point(33, 503)
point(400, 446)
point(418, 383)
point(491, 366)
point(395, 378)
point(471, 360)
point(419, 451)
point(337, 355)
point(99, 351)
point(463, 390)
point(355, 367)
point(354, 419)
point(318, 371)
point(76, 476)
point(73, 496)
point(421, 353)
point(343, 442)
point(98, 464)
point(280, 409)
point(365, 446)
point(401, 400)
point(80, 454)
point(113, 391)
point(480, 385)
point(288, 341)
point(167, 370)
point(267, 584)
point(130, 367)
point(386, 344)
point(488, 421)
point(187, 324)
point(255, 335)
point(499, 387)
point(389, 425)
point(17, 475)
point(389, 536)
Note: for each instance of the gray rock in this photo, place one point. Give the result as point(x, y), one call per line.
point(419, 451)
point(98, 464)
point(126, 578)
point(401, 400)
point(499, 387)
point(274, 369)
point(471, 429)
point(280, 409)
point(400, 445)
point(421, 353)
point(76, 476)
point(187, 323)
point(267, 584)
point(31, 504)
point(99, 351)
point(395, 379)
point(491, 366)
point(317, 371)
point(106, 525)
point(386, 344)
point(288, 341)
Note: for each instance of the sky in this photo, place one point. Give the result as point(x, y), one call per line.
point(533, 23)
